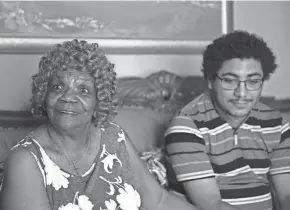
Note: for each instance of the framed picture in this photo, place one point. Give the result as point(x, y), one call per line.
point(119, 27)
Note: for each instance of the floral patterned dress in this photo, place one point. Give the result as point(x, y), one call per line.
point(107, 185)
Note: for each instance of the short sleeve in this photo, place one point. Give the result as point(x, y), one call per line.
point(280, 155)
point(186, 150)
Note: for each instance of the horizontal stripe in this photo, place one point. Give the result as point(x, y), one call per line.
point(183, 129)
point(216, 130)
point(280, 158)
point(189, 163)
point(237, 148)
point(280, 170)
point(265, 110)
point(285, 127)
point(173, 138)
point(245, 193)
point(240, 163)
point(247, 140)
point(267, 130)
point(235, 172)
point(185, 153)
point(211, 124)
point(195, 175)
point(249, 200)
point(285, 135)
point(253, 128)
point(281, 148)
point(261, 170)
point(241, 170)
point(264, 123)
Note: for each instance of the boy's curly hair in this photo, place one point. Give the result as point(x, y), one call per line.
point(237, 44)
point(83, 57)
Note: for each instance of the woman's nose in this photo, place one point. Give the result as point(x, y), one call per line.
point(69, 96)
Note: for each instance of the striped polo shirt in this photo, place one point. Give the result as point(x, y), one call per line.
point(200, 144)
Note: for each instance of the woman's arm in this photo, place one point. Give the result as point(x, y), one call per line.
point(153, 196)
point(23, 187)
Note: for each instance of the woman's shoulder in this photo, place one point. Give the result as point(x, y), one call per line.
point(20, 159)
point(39, 137)
point(116, 130)
point(114, 138)
point(35, 143)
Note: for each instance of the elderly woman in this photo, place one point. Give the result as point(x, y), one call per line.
point(79, 160)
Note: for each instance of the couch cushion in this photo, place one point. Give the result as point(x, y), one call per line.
point(144, 126)
point(9, 137)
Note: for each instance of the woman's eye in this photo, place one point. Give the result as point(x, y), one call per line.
point(57, 87)
point(84, 90)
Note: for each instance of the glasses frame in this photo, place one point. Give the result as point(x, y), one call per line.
point(239, 83)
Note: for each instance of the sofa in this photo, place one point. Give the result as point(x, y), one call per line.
point(146, 106)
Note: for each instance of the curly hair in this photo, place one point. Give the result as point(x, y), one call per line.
point(237, 44)
point(84, 57)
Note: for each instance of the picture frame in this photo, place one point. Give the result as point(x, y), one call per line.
point(119, 27)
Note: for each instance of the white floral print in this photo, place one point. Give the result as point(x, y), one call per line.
point(22, 143)
point(117, 182)
point(120, 194)
point(111, 205)
point(128, 198)
point(69, 206)
point(108, 160)
point(54, 175)
point(121, 136)
point(83, 203)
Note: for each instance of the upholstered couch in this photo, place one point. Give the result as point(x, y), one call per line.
point(147, 105)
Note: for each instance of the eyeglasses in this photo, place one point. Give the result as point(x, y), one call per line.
point(232, 84)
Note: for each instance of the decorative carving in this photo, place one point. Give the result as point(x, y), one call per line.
point(162, 90)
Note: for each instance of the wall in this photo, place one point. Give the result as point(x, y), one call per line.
point(16, 71)
point(253, 16)
point(271, 20)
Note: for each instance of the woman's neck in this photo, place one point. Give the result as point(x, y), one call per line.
point(73, 138)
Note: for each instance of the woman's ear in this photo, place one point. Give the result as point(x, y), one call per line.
point(95, 114)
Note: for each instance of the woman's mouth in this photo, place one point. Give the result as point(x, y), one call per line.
point(68, 112)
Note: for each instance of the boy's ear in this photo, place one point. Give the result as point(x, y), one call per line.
point(209, 83)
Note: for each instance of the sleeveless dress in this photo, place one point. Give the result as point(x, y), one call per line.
point(107, 185)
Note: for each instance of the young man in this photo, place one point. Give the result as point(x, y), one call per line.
point(228, 150)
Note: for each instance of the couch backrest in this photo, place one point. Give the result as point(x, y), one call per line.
point(147, 105)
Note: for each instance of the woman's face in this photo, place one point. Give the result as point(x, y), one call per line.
point(71, 99)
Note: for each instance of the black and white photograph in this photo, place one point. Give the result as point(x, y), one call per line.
point(144, 105)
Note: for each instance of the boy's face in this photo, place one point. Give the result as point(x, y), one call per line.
point(237, 102)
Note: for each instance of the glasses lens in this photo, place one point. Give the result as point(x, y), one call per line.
point(230, 84)
point(253, 84)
